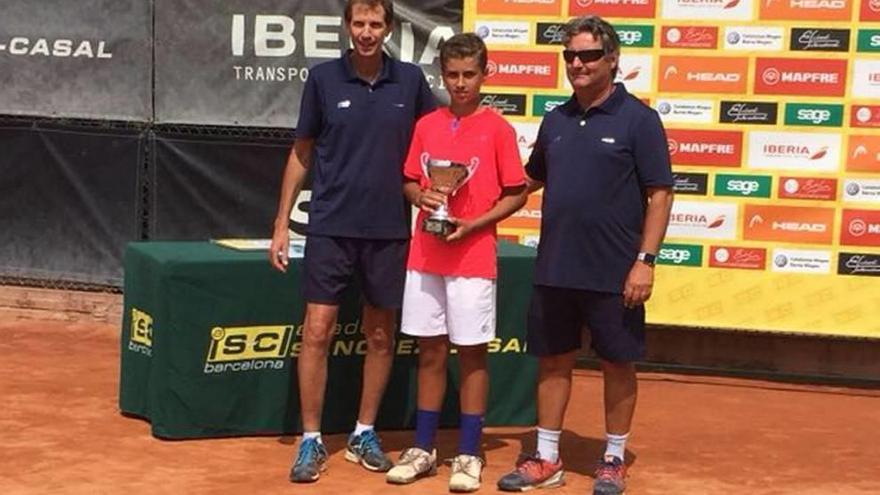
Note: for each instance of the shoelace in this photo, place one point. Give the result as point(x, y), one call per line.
point(609, 471)
point(531, 466)
point(370, 442)
point(464, 466)
point(308, 451)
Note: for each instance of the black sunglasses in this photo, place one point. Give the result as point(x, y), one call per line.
point(585, 56)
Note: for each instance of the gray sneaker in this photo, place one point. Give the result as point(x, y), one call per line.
point(466, 471)
point(366, 449)
point(414, 463)
point(310, 461)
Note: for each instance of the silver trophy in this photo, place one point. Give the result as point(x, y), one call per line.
point(446, 177)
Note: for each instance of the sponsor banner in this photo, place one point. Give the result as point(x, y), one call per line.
point(508, 104)
point(727, 10)
point(745, 186)
point(613, 8)
point(694, 183)
point(86, 59)
point(863, 154)
point(521, 7)
point(542, 104)
point(702, 220)
point(737, 257)
point(687, 111)
point(801, 261)
point(526, 135)
point(503, 32)
point(681, 74)
point(806, 10)
point(635, 70)
point(819, 40)
point(705, 37)
point(549, 33)
point(753, 38)
point(794, 151)
point(869, 40)
point(800, 76)
point(635, 36)
point(860, 228)
point(528, 217)
point(866, 79)
point(748, 112)
point(708, 148)
point(529, 69)
point(870, 11)
point(680, 255)
point(864, 116)
point(795, 224)
point(863, 264)
point(815, 188)
point(814, 114)
point(862, 190)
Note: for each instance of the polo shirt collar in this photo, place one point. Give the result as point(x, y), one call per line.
point(386, 74)
point(609, 106)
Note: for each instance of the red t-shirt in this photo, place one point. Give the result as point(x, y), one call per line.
point(483, 136)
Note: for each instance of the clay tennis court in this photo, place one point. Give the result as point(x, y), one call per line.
point(62, 433)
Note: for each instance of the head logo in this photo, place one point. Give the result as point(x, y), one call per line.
point(670, 71)
point(613, 8)
point(521, 7)
point(863, 153)
point(789, 224)
point(795, 10)
point(528, 217)
point(703, 74)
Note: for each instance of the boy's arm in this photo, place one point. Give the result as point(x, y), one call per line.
point(425, 199)
point(512, 198)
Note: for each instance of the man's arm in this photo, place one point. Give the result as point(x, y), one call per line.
point(640, 281)
point(512, 199)
point(294, 176)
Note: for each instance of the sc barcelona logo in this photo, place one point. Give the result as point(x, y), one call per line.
point(238, 349)
point(141, 333)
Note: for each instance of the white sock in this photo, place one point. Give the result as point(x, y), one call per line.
point(313, 434)
point(360, 428)
point(616, 445)
point(548, 444)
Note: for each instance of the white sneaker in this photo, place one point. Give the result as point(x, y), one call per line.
point(466, 471)
point(414, 463)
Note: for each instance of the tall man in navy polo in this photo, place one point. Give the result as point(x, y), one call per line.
point(355, 124)
point(603, 162)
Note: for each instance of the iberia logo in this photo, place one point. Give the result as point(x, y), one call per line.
point(788, 224)
point(817, 188)
point(613, 8)
point(863, 154)
point(870, 11)
point(534, 69)
point(525, 7)
point(865, 115)
point(806, 10)
point(709, 148)
point(703, 74)
point(800, 76)
point(689, 37)
point(737, 257)
point(528, 217)
point(860, 228)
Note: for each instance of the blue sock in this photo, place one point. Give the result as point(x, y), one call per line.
point(426, 429)
point(471, 434)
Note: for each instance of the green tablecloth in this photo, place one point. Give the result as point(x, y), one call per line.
point(210, 335)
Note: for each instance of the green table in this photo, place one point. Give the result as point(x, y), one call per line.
point(210, 335)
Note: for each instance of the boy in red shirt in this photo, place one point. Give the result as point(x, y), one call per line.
point(449, 296)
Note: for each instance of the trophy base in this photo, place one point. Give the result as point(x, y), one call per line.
point(438, 226)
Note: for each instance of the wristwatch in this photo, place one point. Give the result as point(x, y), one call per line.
point(647, 258)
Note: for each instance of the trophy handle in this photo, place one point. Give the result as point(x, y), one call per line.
point(471, 169)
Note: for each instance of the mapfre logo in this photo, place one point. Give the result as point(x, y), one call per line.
point(613, 8)
point(865, 116)
point(815, 188)
point(870, 11)
point(809, 10)
point(863, 154)
point(140, 338)
point(526, 7)
point(234, 349)
point(800, 76)
point(737, 257)
point(788, 224)
point(708, 148)
point(531, 69)
point(527, 217)
point(705, 37)
point(703, 74)
point(860, 228)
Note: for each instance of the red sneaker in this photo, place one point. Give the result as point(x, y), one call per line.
point(610, 476)
point(533, 472)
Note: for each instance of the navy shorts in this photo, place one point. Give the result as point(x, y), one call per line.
point(378, 265)
point(557, 317)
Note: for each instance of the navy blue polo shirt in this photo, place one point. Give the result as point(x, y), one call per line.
point(595, 166)
point(362, 133)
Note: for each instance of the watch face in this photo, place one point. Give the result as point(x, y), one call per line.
point(647, 258)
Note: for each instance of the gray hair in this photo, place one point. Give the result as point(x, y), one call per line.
point(596, 26)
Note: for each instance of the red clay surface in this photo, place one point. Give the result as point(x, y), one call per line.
point(62, 433)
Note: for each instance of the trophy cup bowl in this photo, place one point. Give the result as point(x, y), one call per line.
point(447, 177)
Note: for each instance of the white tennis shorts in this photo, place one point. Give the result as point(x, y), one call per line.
point(461, 307)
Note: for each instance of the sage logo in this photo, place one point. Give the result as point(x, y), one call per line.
point(869, 40)
point(822, 40)
point(680, 255)
point(549, 33)
point(748, 112)
point(814, 114)
point(234, 349)
point(141, 332)
point(636, 35)
point(690, 183)
point(543, 104)
point(506, 103)
point(752, 186)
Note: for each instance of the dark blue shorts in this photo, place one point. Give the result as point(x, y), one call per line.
point(378, 265)
point(557, 318)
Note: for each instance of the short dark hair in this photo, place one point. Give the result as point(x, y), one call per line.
point(387, 6)
point(464, 45)
point(599, 28)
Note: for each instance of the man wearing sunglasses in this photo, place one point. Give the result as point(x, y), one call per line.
point(603, 161)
